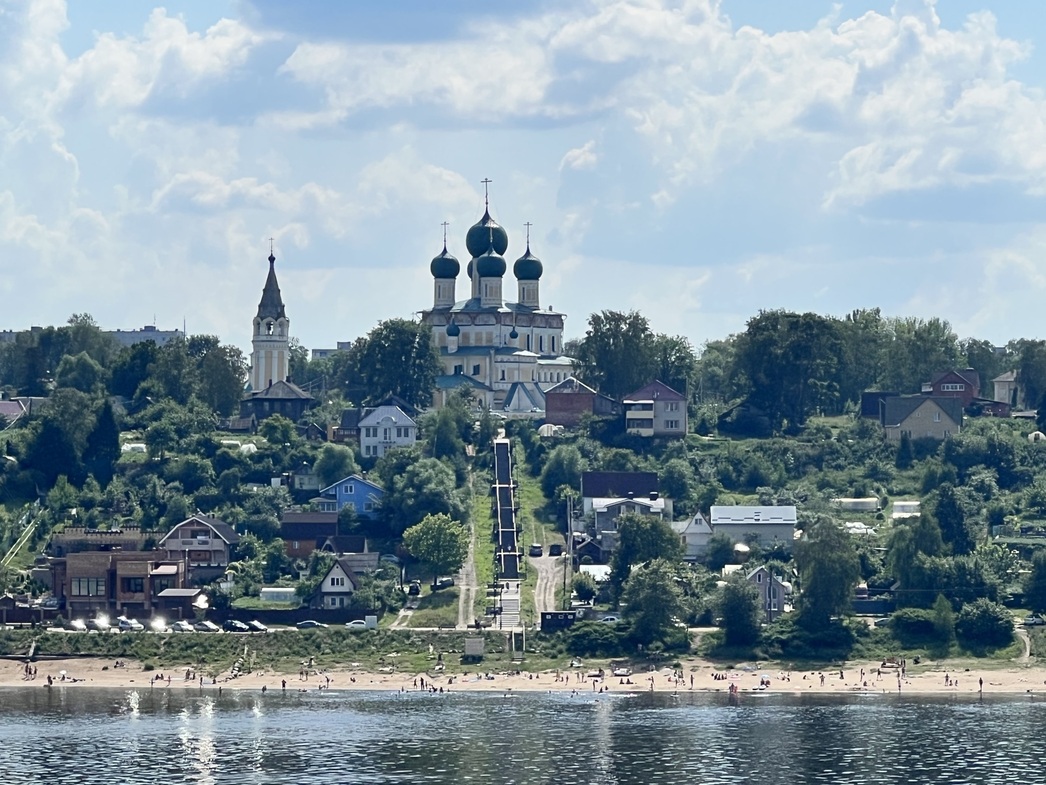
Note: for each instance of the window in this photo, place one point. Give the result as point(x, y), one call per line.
point(386, 434)
point(953, 387)
point(87, 587)
point(348, 488)
point(134, 585)
point(502, 374)
point(553, 343)
point(370, 433)
point(672, 425)
point(759, 578)
point(459, 370)
point(936, 416)
point(296, 545)
point(672, 406)
point(541, 343)
point(368, 506)
point(337, 580)
point(475, 370)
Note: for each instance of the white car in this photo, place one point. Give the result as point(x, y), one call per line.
point(129, 625)
point(158, 624)
point(182, 626)
point(610, 619)
point(358, 624)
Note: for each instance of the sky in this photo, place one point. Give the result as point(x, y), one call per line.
point(695, 160)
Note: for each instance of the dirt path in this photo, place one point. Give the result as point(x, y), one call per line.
point(1026, 641)
point(467, 580)
point(403, 618)
point(550, 577)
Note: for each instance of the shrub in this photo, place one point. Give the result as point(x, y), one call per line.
point(594, 639)
point(984, 623)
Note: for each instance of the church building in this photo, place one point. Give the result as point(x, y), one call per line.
point(271, 391)
point(506, 353)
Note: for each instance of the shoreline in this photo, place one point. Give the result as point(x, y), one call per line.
point(697, 676)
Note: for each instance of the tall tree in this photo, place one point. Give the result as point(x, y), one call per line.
point(951, 517)
point(737, 604)
point(438, 542)
point(398, 357)
point(103, 446)
point(652, 600)
point(617, 354)
point(1035, 583)
point(916, 350)
point(829, 569)
point(640, 538)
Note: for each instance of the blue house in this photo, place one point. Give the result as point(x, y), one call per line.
point(361, 495)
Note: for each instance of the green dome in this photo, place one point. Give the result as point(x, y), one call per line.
point(490, 265)
point(445, 265)
point(453, 330)
point(486, 234)
point(527, 267)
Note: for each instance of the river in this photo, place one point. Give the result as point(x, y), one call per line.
point(86, 735)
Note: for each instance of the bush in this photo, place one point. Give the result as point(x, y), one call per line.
point(595, 639)
point(984, 623)
point(914, 626)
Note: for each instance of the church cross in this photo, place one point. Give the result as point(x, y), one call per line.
point(486, 194)
point(445, 225)
point(528, 224)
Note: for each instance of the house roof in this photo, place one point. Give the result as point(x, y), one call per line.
point(523, 396)
point(655, 391)
point(381, 413)
point(353, 478)
point(220, 528)
point(11, 410)
point(472, 306)
point(346, 567)
point(451, 381)
point(346, 543)
point(897, 410)
point(695, 525)
point(350, 418)
point(618, 484)
point(279, 391)
point(569, 386)
point(1009, 376)
point(738, 514)
point(271, 304)
point(968, 375)
point(238, 424)
point(167, 593)
point(602, 505)
point(308, 525)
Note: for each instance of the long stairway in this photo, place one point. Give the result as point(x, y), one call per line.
point(506, 549)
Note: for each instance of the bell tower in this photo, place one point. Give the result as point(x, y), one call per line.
point(270, 345)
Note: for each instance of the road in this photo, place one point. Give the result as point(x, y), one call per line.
point(550, 577)
point(467, 583)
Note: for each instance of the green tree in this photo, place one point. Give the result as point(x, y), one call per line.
point(676, 362)
point(584, 586)
point(652, 599)
point(131, 368)
point(399, 358)
point(81, 372)
point(103, 446)
point(737, 605)
point(984, 623)
point(905, 454)
point(951, 517)
point(439, 542)
point(640, 538)
point(335, 463)
point(278, 430)
point(1035, 583)
point(618, 353)
point(915, 350)
point(829, 569)
point(719, 552)
point(222, 373)
point(563, 467)
point(426, 487)
point(943, 619)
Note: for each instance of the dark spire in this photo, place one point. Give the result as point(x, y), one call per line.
point(271, 305)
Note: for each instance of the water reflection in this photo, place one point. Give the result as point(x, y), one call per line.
point(148, 736)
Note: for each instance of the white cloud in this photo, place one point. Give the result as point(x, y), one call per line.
point(584, 157)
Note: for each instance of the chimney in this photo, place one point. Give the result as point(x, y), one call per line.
point(631, 495)
point(653, 496)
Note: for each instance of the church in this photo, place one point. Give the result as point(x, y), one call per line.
point(505, 353)
point(271, 391)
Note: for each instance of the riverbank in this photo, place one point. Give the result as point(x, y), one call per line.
point(695, 675)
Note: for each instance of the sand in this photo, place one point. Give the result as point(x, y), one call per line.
point(696, 675)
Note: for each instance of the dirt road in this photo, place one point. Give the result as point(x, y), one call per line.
point(550, 577)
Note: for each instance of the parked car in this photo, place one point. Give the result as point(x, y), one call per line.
point(182, 626)
point(610, 619)
point(76, 625)
point(536, 549)
point(235, 625)
point(390, 558)
point(356, 624)
point(1034, 620)
point(257, 626)
point(309, 624)
point(555, 549)
point(206, 626)
point(414, 589)
point(158, 624)
point(99, 623)
point(129, 625)
point(443, 583)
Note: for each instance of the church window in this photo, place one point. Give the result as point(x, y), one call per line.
point(528, 343)
point(502, 374)
point(459, 369)
point(553, 343)
point(541, 343)
point(268, 328)
point(475, 370)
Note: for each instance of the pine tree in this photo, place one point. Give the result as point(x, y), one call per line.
point(103, 446)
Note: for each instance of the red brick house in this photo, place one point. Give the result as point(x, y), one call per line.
point(570, 399)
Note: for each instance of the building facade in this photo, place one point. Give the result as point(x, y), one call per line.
point(271, 341)
point(656, 410)
point(509, 351)
point(384, 428)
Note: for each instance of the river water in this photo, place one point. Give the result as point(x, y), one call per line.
point(85, 735)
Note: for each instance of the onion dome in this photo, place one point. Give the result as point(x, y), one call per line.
point(453, 331)
point(444, 265)
point(527, 267)
point(513, 335)
point(468, 270)
point(490, 264)
point(485, 235)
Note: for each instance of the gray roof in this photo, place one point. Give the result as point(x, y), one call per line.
point(472, 306)
point(271, 305)
point(899, 408)
point(527, 392)
point(451, 380)
point(219, 527)
point(281, 391)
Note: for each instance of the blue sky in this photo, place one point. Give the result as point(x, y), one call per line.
point(692, 159)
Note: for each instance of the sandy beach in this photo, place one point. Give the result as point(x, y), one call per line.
point(696, 675)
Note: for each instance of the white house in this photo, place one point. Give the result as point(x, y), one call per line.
point(773, 592)
point(386, 427)
point(694, 533)
point(336, 588)
point(765, 526)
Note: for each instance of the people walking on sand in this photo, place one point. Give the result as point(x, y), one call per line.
point(980, 684)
